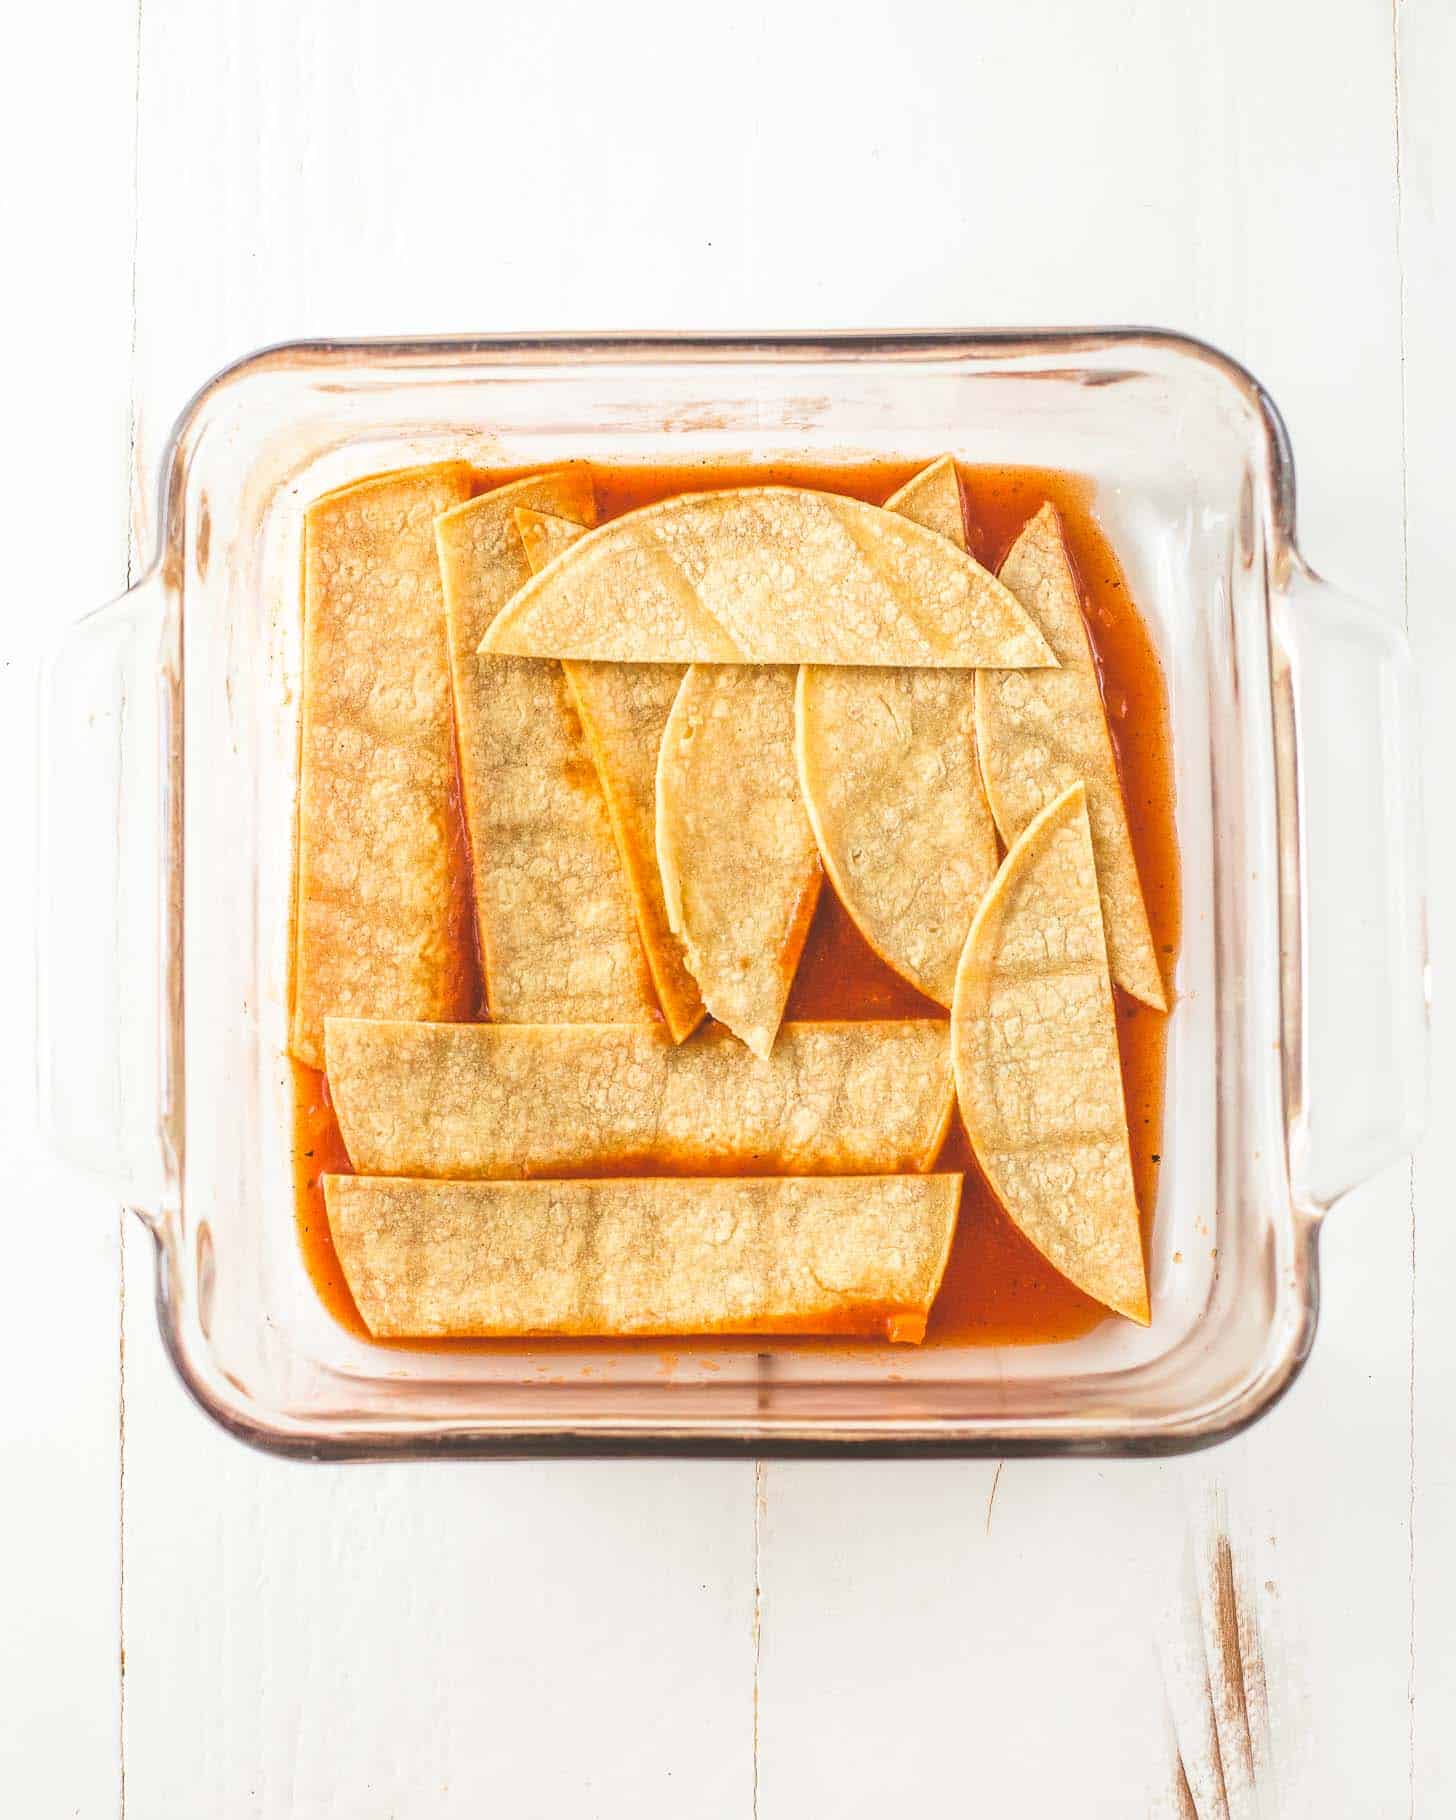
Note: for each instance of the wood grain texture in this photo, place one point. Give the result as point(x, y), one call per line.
point(341, 1643)
point(617, 1639)
point(66, 315)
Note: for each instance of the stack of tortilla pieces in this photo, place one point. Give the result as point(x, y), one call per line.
point(663, 731)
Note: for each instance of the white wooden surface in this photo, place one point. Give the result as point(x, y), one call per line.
point(189, 181)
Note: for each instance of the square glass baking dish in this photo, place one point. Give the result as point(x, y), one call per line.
point(1296, 1061)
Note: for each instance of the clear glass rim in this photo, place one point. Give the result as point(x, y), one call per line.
point(570, 347)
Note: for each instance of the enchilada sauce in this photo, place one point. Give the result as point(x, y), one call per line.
point(998, 1288)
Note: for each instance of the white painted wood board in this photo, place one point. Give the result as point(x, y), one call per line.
point(1428, 240)
point(66, 310)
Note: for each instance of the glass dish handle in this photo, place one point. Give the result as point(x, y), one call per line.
point(104, 982)
point(1361, 1102)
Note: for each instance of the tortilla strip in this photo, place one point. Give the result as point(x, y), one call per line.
point(776, 575)
point(858, 1255)
point(381, 887)
point(624, 708)
point(1039, 732)
point(558, 939)
point(887, 764)
point(469, 1101)
point(740, 871)
point(1034, 1038)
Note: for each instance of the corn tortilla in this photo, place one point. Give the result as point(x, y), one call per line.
point(860, 1255)
point(475, 1101)
point(740, 871)
point(1039, 731)
point(776, 575)
point(623, 709)
point(1038, 1076)
point(544, 536)
point(558, 937)
point(382, 893)
point(933, 498)
point(887, 764)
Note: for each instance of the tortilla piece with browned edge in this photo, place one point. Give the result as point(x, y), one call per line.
point(1041, 730)
point(381, 891)
point(474, 1101)
point(887, 764)
point(740, 871)
point(623, 709)
point(933, 498)
point(1034, 1039)
point(558, 937)
point(771, 575)
point(791, 1254)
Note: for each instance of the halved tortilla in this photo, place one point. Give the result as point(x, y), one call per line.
point(1034, 1040)
point(381, 892)
point(777, 575)
point(470, 1101)
point(558, 937)
point(624, 708)
point(1039, 731)
point(887, 764)
point(858, 1255)
point(740, 871)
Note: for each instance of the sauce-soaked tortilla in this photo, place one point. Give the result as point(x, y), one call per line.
point(382, 888)
point(1034, 1040)
point(887, 763)
point(558, 936)
point(740, 870)
point(624, 709)
point(848, 1255)
point(1039, 731)
point(498, 1100)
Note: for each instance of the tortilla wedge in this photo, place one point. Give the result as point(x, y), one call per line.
point(623, 709)
point(544, 535)
point(382, 892)
point(1034, 1042)
point(887, 764)
point(558, 938)
point(933, 498)
point(740, 871)
point(487, 1101)
point(1039, 731)
point(861, 1255)
point(776, 575)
